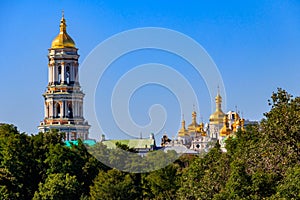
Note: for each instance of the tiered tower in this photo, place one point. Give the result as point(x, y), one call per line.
point(63, 97)
point(192, 128)
point(216, 119)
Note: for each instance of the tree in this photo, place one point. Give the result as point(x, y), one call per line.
point(238, 185)
point(114, 184)
point(58, 186)
point(163, 183)
point(7, 182)
point(289, 188)
point(41, 143)
point(282, 129)
point(206, 176)
point(16, 162)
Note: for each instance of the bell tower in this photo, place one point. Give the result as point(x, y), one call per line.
point(63, 96)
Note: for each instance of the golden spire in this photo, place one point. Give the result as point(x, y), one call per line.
point(63, 40)
point(194, 117)
point(183, 123)
point(182, 131)
point(217, 116)
point(218, 101)
point(63, 26)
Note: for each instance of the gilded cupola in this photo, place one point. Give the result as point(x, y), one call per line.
point(225, 129)
point(182, 131)
point(218, 115)
point(62, 40)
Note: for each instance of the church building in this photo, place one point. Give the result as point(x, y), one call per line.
point(64, 97)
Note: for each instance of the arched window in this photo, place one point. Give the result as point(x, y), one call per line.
point(68, 74)
point(58, 110)
point(59, 74)
point(70, 110)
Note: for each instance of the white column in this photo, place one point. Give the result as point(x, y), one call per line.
point(63, 109)
point(50, 109)
point(63, 71)
point(76, 109)
point(73, 108)
point(54, 73)
point(79, 109)
point(53, 109)
point(76, 78)
point(46, 110)
point(49, 74)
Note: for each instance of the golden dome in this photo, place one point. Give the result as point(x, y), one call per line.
point(225, 130)
point(200, 129)
point(182, 131)
point(194, 123)
point(217, 116)
point(63, 40)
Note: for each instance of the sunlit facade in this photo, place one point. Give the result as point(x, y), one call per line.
point(63, 96)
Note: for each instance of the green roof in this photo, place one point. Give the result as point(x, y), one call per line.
point(69, 143)
point(131, 143)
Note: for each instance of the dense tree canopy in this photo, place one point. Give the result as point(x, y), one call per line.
point(261, 162)
point(58, 186)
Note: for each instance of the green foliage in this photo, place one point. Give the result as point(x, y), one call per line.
point(238, 184)
point(262, 162)
point(7, 182)
point(282, 126)
point(289, 187)
point(206, 176)
point(58, 186)
point(17, 164)
point(163, 183)
point(114, 184)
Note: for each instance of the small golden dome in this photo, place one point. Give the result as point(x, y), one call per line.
point(63, 40)
point(200, 129)
point(225, 130)
point(182, 131)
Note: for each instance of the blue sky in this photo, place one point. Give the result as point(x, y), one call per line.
point(255, 45)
